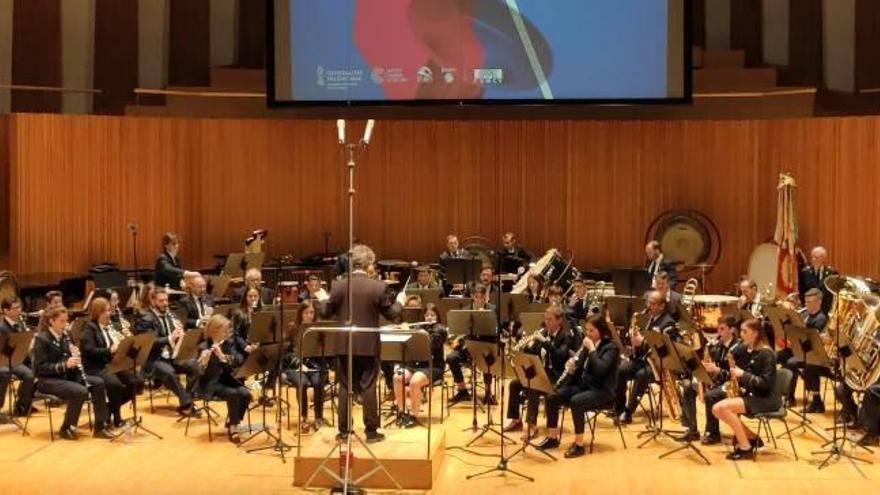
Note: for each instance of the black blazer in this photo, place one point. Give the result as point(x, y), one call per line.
point(95, 350)
point(50, 355)
point(759, 375)
point(168, 271)
point(266, 295)
point(599, 372)
point(371, 298)
point(718, 352)
point(816, 321)
point(810, 278)
point(150, 322)
point(665, 323)
point(192, 311)
point(557, 351)
point(665, 266)
point(218, 373)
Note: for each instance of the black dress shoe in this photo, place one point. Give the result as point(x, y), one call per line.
point(816, 406)
point(103, 433)
point(5, 419)
point(68, 434)
point(410, 421)
point(625, 418)
point(548, 443)
point(189, 411)
point(691, 436)
point(756, 442)
point(489, 399)
point(461, 396)
point(869, 440)
point(843, 418)
point(575, 451)
point(375, 436)
point(739, 455)
point(711, 439)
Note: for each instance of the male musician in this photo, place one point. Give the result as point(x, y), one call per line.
point(253, 278)
point(370, 298)
point(58, 366)
point(198, 303)
point(577, 305)
point(53, 298)
point(637, 368)
point(867, 417)
point(486, 279)
point(749, 299)
point(423, 280)
point(453, 250)
point(814, 275)
point(312, 290)
point(672, 297)
point(718, 367)
point(513, 256)
point(11, 323)
point(556, 345)
point(168, 270)
point(816, 320)
point(657, 263)
point(161, 364)
point(460, 355)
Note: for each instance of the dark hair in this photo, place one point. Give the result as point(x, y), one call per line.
point(244, 304)
point(755, 325)
point(480, 289)
point(555, 290)
point(433, 308)
point(313, 277)
point(302, 309)
point(8, 302)
point(601, 325)
point(169, 238)
point(729, 321)
point(52, 294)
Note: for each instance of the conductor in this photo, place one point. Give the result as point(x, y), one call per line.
point(369, 299)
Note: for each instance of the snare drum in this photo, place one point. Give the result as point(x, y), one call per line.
point(287, 292)
point(709, 309)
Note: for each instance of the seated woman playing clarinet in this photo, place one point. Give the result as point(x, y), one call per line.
point(418, 375)
point(754, 390)
point(218, 358)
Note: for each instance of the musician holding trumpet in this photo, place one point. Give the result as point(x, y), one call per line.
point(198, 303)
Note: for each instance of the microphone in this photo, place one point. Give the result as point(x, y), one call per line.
point(340, 130)
point(368, 132)
point(133, 228)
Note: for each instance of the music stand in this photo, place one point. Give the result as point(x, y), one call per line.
point(448, 304)
point(511, 305)
point(632, 282)
point(131, 354)
point(487, 360)
point(460, 271)
point(530, 372)
point(314, 345)
point(687, 359)
point(471, 324)
point(620, 309)
point(530, 323)
point(412, 315)
point(519, 303)
point(189, 348)
point(261, 360)
point(806, 344)
point(403, 348)
point(427, 295)
point(13, 351)
point(661, 345)
point(238, 263)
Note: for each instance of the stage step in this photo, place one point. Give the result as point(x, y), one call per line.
point(238, 79)
point(717, 80)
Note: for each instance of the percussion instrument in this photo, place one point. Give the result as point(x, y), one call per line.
point(287, 292)
point(708, 309)
point(554, 268)
point(762, 266)
point(8, 284)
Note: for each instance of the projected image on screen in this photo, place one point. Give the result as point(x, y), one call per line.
point(377, 50)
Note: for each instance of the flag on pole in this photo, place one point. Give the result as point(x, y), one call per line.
point(786, 237)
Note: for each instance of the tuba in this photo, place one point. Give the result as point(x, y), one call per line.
point(866, 347)
point(846, 310)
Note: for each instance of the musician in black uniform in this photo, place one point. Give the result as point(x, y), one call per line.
point(424, 279)
point(814, 276)
point(99, 343)
point(592, 384)
point(460, 355)
point(418, 375)
point(815, 319)
point(217, 361)
point(578, 304)
point(556, 345)
point(311, 373)
point(749, 299)
point(756, 383)
point(718, 367)
point(244, 314)
point(198, 303)
point(867, 417)
point(169, 269)
point(513, 255)
point(453, 249)
point(657, 263)
point(253, 278)
point(57, 365)
point(161, 364)
point(637, 368)
point(535, 288)
point(11, 323)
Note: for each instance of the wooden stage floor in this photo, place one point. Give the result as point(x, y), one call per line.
point(191, 465)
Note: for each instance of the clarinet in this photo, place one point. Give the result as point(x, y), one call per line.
point(566, 377)
point(82, 371)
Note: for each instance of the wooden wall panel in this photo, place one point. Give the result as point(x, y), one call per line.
point(116, 54)
point(591, 187)
point(4, 188)
point(36, 54)
point(189, 50)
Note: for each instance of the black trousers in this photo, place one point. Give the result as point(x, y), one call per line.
point(869, 414)
point(456, 359)
point(310, 379)
point(580, 402)
point(689, 407)
point(25, 388)
point(640, 373)
point(810, 374)
point(518, 394)
point(166, 373)
point(237, 398)
point(120, 388)
point(364, 373)
point(74, 395)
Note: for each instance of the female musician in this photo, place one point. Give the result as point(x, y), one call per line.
point(99, 343)
point(117, 318)
point(311, 373)
point(418, 375)
point(218, 358)
point(593, 379)
point(241, 319)
point(535, 288)
point(145, 298)
point(756, 382)
point(555, 295)
point(58, 367)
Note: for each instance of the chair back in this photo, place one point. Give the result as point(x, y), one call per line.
point(780, 388)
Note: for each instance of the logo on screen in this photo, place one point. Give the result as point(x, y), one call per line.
point(425, 75)
point(448, 75)
point(320, 73)
point(489, 76)
point(378, 75)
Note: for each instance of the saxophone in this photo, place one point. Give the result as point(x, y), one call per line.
point(527, 341)
point(731, 388)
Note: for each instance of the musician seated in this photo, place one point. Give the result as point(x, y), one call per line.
point(313, 290)
point(415, 376)
point(486, 278)
point(578, 305)
point(57, 364)
point(145, 299)
point(460, 355)
point(535, 288)
point(718, 367)
point(10, 323)
point(217, 361)
point(866, 418)
point(53, 298)
point(424, 280)
point(253, 278)
point(161, 364)
point(657, 263)
point(169, 271)
point(513, 255)
point(592, 384)
point(637, 368)
point(672, 298)
point(99, 344)
point(243, 315)
point(755, 394)
point(749, 300)
point(453, 249)
point(197, 303)
point(117, 316)
point(311, 373)
point(814, 319)
point(556, 344)
point(555, 295)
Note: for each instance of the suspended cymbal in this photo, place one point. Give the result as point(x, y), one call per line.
point(393, 264)
point(699, 266)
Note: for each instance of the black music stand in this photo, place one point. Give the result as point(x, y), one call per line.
point(667, 358)
point(393, 350)
point(427, 295)
point(688, 360)
point(460, 271)
point(530, 372)
point(315, 345)
point(131, 354)
point(530, 323)
point(471, 324)
point(632, 282)
point(402, 347)
point(511, 305)
point(448, 304)
point(487, 360)
point(263, 359)
point(806, 344)
point(13, 353)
